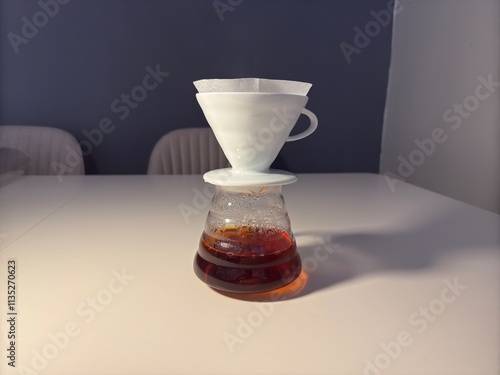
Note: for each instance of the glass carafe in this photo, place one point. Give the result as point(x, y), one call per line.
point(247, 245)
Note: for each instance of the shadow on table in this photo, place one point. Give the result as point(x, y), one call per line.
point(333, 257)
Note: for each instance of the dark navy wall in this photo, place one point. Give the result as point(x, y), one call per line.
point(71, 70)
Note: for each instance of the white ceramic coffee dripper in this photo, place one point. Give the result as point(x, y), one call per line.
point(251, 128)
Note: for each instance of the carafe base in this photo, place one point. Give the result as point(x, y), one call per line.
point(247, 260)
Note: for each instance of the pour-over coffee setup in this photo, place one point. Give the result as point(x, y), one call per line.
point(247, 245)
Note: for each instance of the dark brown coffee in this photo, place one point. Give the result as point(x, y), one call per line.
point(247, 259)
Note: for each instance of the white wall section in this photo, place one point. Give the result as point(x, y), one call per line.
point(442, 119)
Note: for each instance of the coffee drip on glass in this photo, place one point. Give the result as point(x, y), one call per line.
point(247, 245)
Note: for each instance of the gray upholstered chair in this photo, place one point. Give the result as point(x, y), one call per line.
point(187, 151)
point(39, 150)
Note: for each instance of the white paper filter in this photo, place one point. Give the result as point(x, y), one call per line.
point(252, 85)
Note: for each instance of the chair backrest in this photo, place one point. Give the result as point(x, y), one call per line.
point(51, 151)
point(187, 151)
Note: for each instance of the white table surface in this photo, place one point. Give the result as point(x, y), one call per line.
point(378, 297)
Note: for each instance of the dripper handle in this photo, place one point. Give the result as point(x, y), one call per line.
point(312, 127)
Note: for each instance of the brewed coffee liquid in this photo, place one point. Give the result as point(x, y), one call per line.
point(247, 259)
